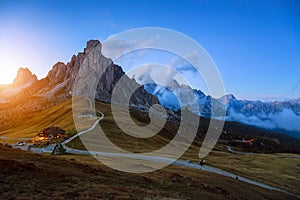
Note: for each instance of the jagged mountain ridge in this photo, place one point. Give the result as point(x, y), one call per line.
point(278, 116)
point(34, 95)
point(29, 94)
point(168, 98)
point(58, 83)
point(281, 116)
point(24, 79)
point(24, 76)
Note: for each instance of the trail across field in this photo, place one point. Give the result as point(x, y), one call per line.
point(165, 159)
point(183, 163)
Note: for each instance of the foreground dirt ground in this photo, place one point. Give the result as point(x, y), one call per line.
point(25, 175)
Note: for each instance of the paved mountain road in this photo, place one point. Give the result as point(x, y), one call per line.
point(155, 159)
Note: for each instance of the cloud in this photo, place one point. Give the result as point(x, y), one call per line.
point(142, 75)
point(286, 119)
point(115, 46)
point(182, 65)
point(252, 120)
point(152, 73)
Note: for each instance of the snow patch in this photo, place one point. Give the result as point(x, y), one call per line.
point(51, 92)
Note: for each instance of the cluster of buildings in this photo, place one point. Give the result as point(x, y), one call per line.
point(48, 135)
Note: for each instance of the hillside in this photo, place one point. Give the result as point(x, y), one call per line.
point(284, 175)
point(27, 124)
point(30, 105)
point(27, 95)
point(81, 177)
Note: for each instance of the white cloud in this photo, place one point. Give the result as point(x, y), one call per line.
point(286, 119)
point(115, 46)
point(157, 73)
point(182, 65)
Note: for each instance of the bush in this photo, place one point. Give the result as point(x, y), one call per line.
point(71, 132)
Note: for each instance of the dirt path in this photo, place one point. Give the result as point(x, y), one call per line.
point(157, 159)
point(165, 159)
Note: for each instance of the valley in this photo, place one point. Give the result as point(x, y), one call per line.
point(279, 170)
point(28, 107)
point(82, 177)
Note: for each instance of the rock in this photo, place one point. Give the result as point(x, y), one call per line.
point(90, 45)
point(58, 85)
point(23, 77)
point(204, 185)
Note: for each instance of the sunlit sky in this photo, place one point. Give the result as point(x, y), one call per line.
point(255, 44)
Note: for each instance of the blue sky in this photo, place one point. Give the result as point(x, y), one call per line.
point(255, 44)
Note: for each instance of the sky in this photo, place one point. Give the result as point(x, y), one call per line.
point(255, 44)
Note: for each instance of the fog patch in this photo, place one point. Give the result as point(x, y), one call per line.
point(286, 119)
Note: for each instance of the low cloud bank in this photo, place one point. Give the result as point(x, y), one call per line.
point(286, 119)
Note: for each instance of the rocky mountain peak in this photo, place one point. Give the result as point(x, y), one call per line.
point(90, 45)
point(230, 97)
point(227, 99)
point(57, 72)
point(173, 84)
point(24, 76)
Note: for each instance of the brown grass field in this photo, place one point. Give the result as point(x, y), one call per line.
point(26, 176)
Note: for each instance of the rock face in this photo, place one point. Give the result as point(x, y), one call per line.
point(278, 116)
point(24, 76)
point(108, 81)
point(176, 96)
point(23, 80)
point(59, 82)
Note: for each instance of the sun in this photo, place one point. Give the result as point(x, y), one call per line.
point(8, 74)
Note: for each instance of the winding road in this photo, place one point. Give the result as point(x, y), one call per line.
point(85, 131)
point(166, 160)
point(156, 158)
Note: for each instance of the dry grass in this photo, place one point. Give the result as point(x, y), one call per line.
point(25, 175)
point(59, 115)
point(272, 170)
point(278, 171)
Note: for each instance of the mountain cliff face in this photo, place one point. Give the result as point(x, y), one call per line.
point(24, 76)
point(278, 116)
point(23, 80)
point(27, 94)
point(58, 84)
point(190, 98)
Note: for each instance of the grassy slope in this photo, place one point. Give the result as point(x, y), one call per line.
point(28, 126)
point(25, 175)
point(276, 170)
point(273, 170)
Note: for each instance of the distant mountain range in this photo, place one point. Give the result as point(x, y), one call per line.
point(29, 94)
point(276, 116)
